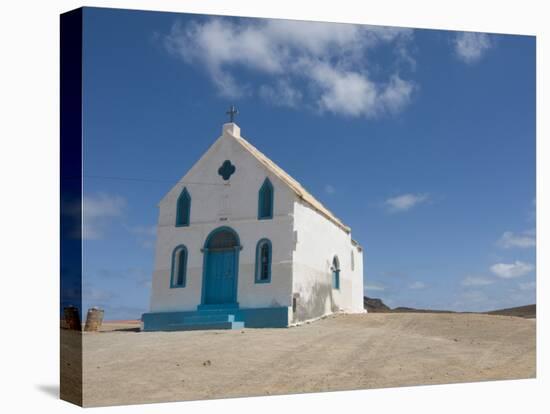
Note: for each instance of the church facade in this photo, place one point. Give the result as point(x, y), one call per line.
point(240, 243)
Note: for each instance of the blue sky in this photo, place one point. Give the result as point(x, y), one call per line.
point(423, 141)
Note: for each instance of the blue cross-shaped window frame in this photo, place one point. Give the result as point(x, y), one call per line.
point(226, 170)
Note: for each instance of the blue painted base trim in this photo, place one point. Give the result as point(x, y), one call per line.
point(216, 318)
point(229, 306)
point(264, 317)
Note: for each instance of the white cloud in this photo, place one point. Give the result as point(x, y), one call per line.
point(329, 189)
point(405, 202)
point(532, 213)
point(374, 286)
point(511, 270)
point(325, 64)
point(143, 230)
point(476, 281)
point(474, 300)
point(282, 93)
point(527, 286)
point(96, 210)
point(354, 94)
point(417, 285)
point(523, 240)
point(137, 274)
point(470, 47)
point(147, 244)
point(102, 205)
point(98, 296)
point(396, 94)
point(145, 235)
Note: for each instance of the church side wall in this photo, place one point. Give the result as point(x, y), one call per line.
point(318, 241)
point(358, 292)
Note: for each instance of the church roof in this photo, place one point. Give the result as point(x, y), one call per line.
point(294, 185)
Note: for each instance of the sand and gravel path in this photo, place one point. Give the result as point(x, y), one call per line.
point(340, 352)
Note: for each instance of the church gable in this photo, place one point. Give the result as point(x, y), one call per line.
point(228, 182)
point(218, 170)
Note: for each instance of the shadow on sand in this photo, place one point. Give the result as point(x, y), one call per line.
point(49, 389)
point(126, 330)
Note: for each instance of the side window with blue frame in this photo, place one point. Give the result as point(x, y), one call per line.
point(265, 200)
point(183, 209)
point(335, 273)
point(263, 261)
point(179, 267)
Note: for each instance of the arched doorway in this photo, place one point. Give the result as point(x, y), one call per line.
point(220, 267)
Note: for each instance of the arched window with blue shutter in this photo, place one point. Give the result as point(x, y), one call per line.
point(263, 261)
point(183, 209)
point(335, 273)
point(265, 200)
point(178, 277)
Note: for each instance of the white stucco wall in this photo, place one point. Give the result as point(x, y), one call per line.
point(318, 241)
point(233, 203)
point(358, 281)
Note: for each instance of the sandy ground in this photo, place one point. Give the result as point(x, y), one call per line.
point(342, 352)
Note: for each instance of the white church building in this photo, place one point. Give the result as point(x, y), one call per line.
point(240, 243)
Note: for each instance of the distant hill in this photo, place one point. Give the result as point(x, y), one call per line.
point(528, 311)
point(405, 309)
point(375, 305)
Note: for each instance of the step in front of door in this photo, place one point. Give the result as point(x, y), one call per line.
point(209, 317)
point(198, 325)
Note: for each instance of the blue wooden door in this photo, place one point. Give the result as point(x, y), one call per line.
point(220, 277)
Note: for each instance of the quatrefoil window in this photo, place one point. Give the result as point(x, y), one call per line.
point(226, 170)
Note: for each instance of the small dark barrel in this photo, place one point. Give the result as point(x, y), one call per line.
point(94, 319)
point(72, 318)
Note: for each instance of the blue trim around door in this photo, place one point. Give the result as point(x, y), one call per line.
point(205, 267)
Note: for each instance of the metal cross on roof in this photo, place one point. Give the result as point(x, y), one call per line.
point(232, 112)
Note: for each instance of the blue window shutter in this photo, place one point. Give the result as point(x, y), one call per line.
point(183, 209)
point(181, 268)
point(263, 261)
point(265, 200)
point(178, 276)
point(335, 273)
